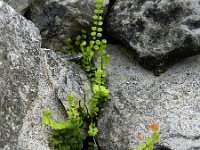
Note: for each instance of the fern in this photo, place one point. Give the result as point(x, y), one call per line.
point(92, 130)
point(69, 134)
point(66, 134)
point(95, 58)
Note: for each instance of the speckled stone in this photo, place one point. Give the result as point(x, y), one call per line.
point(32, 79)
point(57, 79)
point(19, 66)
point(139, 98)
point(158, 32)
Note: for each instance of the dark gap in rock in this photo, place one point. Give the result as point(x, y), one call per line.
point(192, 24)
point(163, 62)
point(27, 13)
point(86, 145)
point(195, 148)
point(160, 147)
point(105, 23)
point(185, 137)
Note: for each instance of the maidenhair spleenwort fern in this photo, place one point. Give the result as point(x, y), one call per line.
point(79, 130)
point(66, 135)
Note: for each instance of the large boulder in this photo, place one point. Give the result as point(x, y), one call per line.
point(31, 80)
point(58, 20)
point(19, 5)
point(139, 98)
point(19, 67)
point(158, 32)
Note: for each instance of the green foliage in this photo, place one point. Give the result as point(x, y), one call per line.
point(69, 134)
point(95, 59)
point(48, 120)
point(100, 91)
point(150, 141)
point(92, 146)
point(92, 130)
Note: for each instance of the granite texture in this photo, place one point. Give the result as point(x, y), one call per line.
point(139, 98)
point(32, 79)
point(158, 32)
point(19, 67)
point(57, 79)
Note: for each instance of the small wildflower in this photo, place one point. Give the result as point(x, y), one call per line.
point(140, 137)
point(154, 127)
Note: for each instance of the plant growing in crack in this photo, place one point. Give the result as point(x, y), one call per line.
point(78, 131)
point(71, 134)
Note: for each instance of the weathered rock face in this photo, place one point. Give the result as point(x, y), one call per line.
point(58, 79)
point(19, 5)
point(140, 98)
point(59, 19)
point(159, 32)
point(19, 66)
point(32, 79)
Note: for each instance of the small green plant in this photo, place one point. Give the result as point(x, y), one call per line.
point(79, 130)
point(150, 141)
point(67, 135)
point(92, 130)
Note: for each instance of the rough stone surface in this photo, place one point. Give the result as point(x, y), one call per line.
point(158, 32)
point(139, 98)
point(31, 80)
point(59, 19)
point(19, 66)
point(58, 79)
point(19, 5)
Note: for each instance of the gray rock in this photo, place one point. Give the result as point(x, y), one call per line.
point(19, 66)
point(158, 32)
point(58, 79)
point(19, 5)
point(60, 19)
point(31, 80)
point(139, 98)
